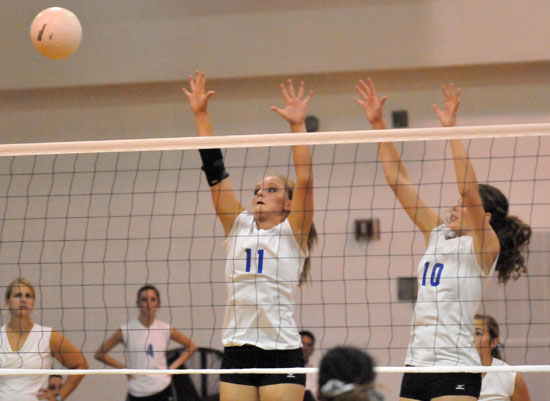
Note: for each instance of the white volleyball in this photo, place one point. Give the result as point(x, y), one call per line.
point(56, 32)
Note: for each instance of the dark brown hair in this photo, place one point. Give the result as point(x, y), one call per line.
point(513, 234)
point(148, 287)
point(349, 367)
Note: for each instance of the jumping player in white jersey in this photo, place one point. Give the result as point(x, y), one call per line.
point(27, 345)
point(145, 342)
point(462, 252)
point(496, 386)
point(267, 256)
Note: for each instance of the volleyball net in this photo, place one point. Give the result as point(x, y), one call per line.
point(89, 223)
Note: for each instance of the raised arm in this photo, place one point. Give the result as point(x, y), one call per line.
point(486, 243)
point(395, 171)
point(70, 357)
point(301, 209)
point(225, 202)
point(189, 345)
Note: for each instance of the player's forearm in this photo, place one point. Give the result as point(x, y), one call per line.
point(394, 169)
point(181, 360)
point(302, 166)
point(465, 175)
point(72, 381)
point(203, 124)
point(106, 359)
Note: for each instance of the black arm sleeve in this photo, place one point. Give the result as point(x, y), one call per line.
point(212, 165)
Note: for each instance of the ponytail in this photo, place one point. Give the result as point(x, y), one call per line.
point(305, 275)
point(513, 234)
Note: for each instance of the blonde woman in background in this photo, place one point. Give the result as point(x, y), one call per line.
point(27, 345)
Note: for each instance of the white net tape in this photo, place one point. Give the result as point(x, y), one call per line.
point(380, 369)
point(242, 141)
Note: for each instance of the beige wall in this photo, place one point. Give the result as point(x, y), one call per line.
point(492, 94)
point(149, 41)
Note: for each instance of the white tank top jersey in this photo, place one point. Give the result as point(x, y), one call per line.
point(450, 286)
point(35, 354)
point(498, 386)
point(145, 348)
point(262, 271)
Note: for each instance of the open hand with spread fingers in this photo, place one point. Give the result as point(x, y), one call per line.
point(295, 105)
point(447, 116)
point(198, 96)
point(368, 100)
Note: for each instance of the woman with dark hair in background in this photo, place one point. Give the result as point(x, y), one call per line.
point(496, 386)
point(145, 342)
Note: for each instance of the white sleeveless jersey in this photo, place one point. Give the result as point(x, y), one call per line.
point(450, 286)
point(145, 348)
point(262, 270)
point(35, 354)
point(498, 386)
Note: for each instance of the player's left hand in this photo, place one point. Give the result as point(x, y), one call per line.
point(447, 116)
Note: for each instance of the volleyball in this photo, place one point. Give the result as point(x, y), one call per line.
point(56, 33)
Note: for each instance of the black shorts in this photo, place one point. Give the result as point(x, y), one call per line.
point(164, 395)
point(249, 357)
point(425, 386)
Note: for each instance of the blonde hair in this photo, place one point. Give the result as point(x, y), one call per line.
point(20, 282)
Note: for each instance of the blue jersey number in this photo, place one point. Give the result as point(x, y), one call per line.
point(150, 351)
point(260, 260)
point(435, 276)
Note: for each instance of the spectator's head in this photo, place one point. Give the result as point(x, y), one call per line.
point(486, 337)
point(20, 298)
point(148, 301)
point(308, 344)
point(55, 382)
point(18, 283)
point(347, 374)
